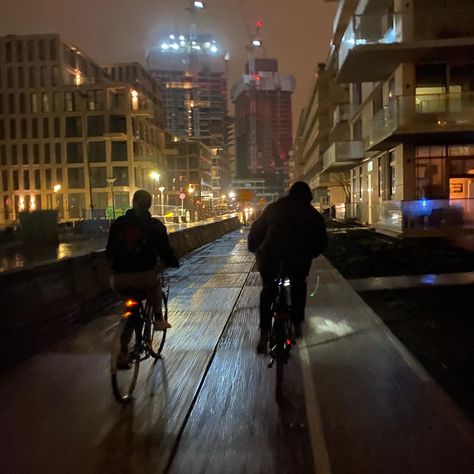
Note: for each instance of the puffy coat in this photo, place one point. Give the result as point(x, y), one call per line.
point(289, 231)
point(135, 243)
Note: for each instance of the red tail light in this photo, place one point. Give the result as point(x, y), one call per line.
point(131, 303)
point(289, 342)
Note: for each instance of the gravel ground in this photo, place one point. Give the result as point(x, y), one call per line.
point(436, 323)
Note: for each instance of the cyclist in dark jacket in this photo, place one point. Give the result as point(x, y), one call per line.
point(136, 242)
point(289, 234)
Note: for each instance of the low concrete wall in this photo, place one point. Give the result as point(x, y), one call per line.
point(42, 303)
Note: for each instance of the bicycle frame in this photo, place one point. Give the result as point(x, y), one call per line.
point(281, 338)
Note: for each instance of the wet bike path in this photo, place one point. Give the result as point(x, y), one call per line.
point(357, 401)
point(58, 413)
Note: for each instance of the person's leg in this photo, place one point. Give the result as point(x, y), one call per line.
point(298, 292)
point(151, 282)
point(267, 296)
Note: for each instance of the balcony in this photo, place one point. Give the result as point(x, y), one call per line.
point(342, 114)
point(321, 180)
point(374, 44)
point(407, 117)
point(342, 155)
point(313, 162)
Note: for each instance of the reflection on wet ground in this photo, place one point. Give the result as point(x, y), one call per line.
point(24, 257)
point(21, 256)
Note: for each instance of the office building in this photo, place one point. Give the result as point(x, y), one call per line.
point(71, 138)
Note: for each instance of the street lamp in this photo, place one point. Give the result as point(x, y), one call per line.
point(155, 176)
point(232, 194)
point(211, 195)
point(56, 189)
point(110, 181)
point(161, 189)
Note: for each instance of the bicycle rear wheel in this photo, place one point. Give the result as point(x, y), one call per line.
point(125, 380)
point(158, 338)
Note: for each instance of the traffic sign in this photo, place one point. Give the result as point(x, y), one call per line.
point(245, 195)
point(182, 196)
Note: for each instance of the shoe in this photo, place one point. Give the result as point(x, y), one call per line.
point(298, 330)
point(161, 325)
point(262, 346)
point(123, 362)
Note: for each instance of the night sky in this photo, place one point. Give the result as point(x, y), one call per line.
point(297, 32)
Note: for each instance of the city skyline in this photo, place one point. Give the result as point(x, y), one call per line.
point(143, 26)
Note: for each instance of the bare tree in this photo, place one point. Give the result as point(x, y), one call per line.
point(343, 179)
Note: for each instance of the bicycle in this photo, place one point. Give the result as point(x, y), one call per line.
point(136, 328)
point(282, 333)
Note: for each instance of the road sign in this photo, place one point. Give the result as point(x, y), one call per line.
point(245, 195)
point(182, 196)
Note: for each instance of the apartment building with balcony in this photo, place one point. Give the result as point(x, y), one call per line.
point(71, 138)
point(322, 148)
point(410, 68)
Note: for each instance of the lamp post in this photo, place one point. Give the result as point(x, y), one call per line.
point(110, 181)
point(155, 176)
point(211, 195)
point(56, 189)
point(161, 189)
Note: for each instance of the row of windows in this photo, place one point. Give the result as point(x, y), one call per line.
point(16, 180)
point(30, 50)
point(72, 152)
point(76, 203)
point(45, 127)
point(30, 76)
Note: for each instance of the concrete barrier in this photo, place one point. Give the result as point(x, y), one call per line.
point(42, 303)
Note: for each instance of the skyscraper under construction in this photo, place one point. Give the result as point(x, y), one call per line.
point(263, 123)
point(191, 69)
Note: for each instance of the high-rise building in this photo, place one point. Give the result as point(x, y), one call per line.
point(402, 145)
point(263, 123)
point(192, 72)
point(71, 138)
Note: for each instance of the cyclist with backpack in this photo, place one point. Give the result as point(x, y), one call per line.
point(289, 234)
point(136, 242)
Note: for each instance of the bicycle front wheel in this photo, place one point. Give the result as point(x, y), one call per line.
point(124, 365)
point(158, 338)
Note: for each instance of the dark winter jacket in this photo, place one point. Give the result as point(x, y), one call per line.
point(135, 244)
point(289, 230)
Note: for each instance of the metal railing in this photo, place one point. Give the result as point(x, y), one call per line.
point(342, 153)
point(371, 29)
point(423, 114)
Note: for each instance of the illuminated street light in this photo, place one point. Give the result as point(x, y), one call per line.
point(57, 188)
point(199, 5)
point(232, 194)
point(156, 176)
point(256, 43)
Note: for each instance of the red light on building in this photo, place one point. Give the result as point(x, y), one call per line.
point(259, 24)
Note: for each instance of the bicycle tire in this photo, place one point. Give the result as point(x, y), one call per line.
point(158, 338)
point(124, 381)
